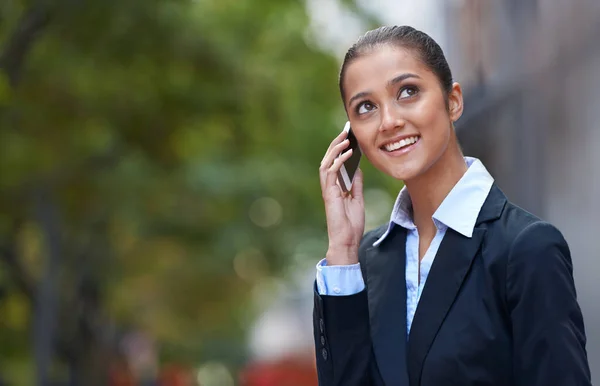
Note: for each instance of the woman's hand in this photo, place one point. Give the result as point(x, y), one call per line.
point(345, 212)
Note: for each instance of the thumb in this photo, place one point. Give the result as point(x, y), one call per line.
point(357, 185)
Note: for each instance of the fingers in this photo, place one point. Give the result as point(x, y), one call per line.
point(341, 136)
point(357, 185)
point(333, 149)
point(332, 172)
point(330, 158)
point(333, 152)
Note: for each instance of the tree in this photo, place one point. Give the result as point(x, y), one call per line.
point(157, 161)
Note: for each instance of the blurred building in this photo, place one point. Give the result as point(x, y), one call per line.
point(532, 114)
point(529, 70)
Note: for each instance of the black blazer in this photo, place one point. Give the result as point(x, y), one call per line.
point(499, 308)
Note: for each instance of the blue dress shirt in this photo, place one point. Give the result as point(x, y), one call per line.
point(458, 211)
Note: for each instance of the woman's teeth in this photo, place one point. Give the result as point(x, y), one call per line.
point(400, 144)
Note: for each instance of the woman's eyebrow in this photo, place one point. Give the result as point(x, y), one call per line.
point(402, 77)
point(358, 96)
point(392, 82)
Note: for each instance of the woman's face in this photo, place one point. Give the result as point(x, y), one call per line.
point(397, 110)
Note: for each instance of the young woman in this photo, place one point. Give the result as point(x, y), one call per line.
point(461, 287)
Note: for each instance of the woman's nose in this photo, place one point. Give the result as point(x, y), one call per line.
point(391, 118)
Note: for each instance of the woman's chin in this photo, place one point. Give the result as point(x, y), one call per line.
point(405, 171)
point(405, 176)
point(401, 174)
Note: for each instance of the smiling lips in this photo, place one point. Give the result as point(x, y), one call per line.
point(390, 147)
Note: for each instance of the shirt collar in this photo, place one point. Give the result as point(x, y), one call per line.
point(460, 208)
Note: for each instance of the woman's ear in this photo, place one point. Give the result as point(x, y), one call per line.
point(455, 102)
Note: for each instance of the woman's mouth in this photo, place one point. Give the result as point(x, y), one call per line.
point(402, 146)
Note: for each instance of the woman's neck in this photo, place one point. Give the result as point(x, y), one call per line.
point(428, 190)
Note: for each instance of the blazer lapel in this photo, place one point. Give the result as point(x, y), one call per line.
point(447, 273)
point(446, 276)
point(386, 289)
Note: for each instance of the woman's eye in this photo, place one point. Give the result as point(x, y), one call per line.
point(408, 92)
point(365, 107)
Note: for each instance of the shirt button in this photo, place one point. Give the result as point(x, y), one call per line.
point(324, 353)
point(322, 325)
point(337, 290)
point(322, 340)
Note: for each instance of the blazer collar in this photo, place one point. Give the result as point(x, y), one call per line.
point(493, 206)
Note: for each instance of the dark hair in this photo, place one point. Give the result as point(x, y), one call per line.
point(430, 52)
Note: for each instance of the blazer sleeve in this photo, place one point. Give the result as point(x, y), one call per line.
point(547, 323)
point(342, 340)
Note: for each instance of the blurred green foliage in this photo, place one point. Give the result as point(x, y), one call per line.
point(169, 137)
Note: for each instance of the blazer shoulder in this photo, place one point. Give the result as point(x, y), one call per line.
point(516, 223)
point(517, 218)
point(532, 232)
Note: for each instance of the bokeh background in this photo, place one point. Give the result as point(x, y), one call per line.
point(160, 213)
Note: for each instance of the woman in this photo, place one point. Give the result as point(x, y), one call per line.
point(493, 284)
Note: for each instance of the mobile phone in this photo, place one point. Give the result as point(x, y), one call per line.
point(349, 168)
